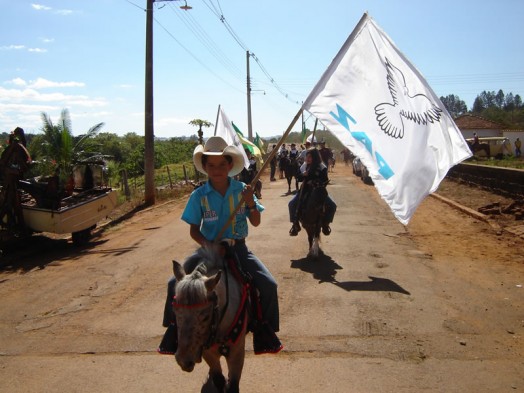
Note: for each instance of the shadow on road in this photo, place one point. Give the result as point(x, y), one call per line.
point(324, 269)
point(39, 251)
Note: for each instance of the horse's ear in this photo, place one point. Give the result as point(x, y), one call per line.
point(178, 270)
point(211, 282)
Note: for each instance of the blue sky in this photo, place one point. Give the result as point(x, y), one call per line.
point(89, 56)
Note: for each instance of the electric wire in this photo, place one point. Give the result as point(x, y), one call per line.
point(196, 29)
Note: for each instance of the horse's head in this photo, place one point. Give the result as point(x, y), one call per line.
point(194, 305)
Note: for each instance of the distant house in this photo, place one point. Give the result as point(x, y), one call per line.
point(470, 124)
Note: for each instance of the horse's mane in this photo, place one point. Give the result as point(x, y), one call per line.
point(191, 290)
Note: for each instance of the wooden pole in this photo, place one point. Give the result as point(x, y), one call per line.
point(216, 122)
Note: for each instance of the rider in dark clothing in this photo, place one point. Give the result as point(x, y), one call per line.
point(312, 170)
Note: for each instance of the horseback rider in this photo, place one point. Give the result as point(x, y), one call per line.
point(312, 170)
point(14, 161)
point(282, 157)
point(302, 155)
point(247, 175)
point(207, 211)
point(293, 152)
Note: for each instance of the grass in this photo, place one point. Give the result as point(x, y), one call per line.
point(506, 162)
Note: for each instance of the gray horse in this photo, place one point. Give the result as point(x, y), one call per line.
point(212, 318)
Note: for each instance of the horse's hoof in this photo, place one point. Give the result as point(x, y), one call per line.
point(326, 230)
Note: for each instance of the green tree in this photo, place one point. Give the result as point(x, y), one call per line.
point(200, 123)
point(57, 144)
point(454, 105)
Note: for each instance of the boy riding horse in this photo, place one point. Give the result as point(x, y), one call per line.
point(207, 211)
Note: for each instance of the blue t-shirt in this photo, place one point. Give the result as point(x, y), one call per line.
point(210, 210)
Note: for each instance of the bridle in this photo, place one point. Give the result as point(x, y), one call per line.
point(212, 304)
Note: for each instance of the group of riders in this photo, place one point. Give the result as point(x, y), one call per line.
point(309, 166)
point(210, 205)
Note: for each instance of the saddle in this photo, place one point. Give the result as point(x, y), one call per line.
point(265, 339)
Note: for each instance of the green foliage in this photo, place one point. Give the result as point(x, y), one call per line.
point(56, 150)
point(506, 109)
point(454, 105)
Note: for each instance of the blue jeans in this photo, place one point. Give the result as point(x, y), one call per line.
point(262, 278)
point(329, 214)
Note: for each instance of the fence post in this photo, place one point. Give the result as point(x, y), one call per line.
point(125, 184)
point(169, 177)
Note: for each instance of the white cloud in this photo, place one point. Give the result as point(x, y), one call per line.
point(64, 12)
point(29, 96)
point(12, 47)
point(40, 7)
point(37, 50)
point(18, 82)
point(42, 83)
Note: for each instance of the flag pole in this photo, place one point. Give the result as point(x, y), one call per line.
point(314, 130)
point(216, 122)
point(259, 173)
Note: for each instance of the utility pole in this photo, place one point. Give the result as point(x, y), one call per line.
point(149, 133)
point(249, 126)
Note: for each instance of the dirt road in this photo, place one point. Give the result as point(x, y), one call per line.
point(436, 306)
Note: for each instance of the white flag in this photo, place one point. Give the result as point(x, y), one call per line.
point(224, 128)
point(379, 106)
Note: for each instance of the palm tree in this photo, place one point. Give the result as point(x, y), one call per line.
point(200, 123)
point(58, 145)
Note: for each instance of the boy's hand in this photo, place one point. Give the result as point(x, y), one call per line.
point(247, 193)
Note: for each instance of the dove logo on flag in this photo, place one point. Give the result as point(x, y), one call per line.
point(414, 107)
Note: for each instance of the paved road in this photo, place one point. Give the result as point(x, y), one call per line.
point(372, 315)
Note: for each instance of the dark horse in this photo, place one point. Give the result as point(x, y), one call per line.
point(478, 147)
point(311, 214)
point(291, 169)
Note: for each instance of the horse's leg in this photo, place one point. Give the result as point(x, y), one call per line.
point(288, 184)
point(235, 364)
point(212, 358)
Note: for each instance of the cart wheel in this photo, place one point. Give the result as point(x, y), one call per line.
point(81, 237)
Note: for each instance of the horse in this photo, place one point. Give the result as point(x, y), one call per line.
point(311, 214)
point(212, 318)
point(331, 162)
point(479, 147)
point(291, 169)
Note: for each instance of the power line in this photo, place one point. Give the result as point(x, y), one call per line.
point(196, 58)
point(187, 50)
point(218, 13)
point(196, 29)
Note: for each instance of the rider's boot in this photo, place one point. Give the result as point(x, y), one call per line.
point(169, 343)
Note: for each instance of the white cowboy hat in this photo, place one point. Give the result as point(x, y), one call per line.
point(217, 146)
